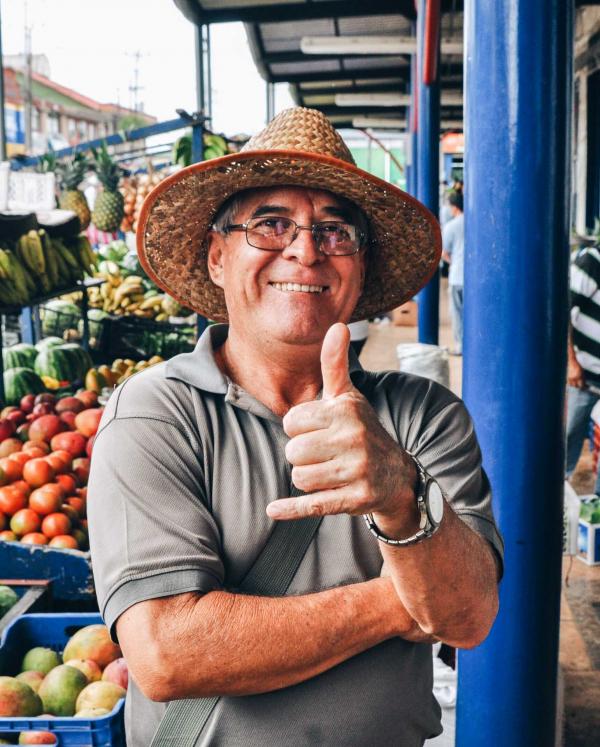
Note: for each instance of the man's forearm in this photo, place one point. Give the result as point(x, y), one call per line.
point(238, 645)
point(448, 583)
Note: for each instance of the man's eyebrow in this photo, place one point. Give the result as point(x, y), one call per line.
point(339, 212)
point(269, 210)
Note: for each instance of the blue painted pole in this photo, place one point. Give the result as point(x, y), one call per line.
point(411, 129)
point(427, 177)
point(518, 73)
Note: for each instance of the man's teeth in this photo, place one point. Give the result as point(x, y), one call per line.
point(298, 287)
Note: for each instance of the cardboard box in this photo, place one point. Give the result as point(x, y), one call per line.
point(405, 315)
point(588, 542)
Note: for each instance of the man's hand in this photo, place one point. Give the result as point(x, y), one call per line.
point(342, 455)
point(575, 375)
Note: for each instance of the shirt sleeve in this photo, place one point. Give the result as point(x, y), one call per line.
point(151, 533)
point(442, 437)
point(584, 279)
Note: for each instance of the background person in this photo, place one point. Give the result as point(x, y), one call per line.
point(453, 241)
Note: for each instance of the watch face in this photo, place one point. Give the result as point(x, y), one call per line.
point(435, 501)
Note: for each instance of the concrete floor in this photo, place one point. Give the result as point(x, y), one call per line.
point(579, 653)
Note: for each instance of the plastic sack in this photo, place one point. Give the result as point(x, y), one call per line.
point(430, 361)
point(571, 508)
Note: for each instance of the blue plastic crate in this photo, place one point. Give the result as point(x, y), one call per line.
point(53, 631)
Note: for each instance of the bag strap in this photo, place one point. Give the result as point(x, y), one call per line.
point(270, 575)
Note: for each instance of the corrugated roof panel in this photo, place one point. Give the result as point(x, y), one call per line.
point(297, 29)
point(362, 25)
point(298, 68)
point(367, 63)
point(319, 99)
point(325, 84)
point(281, 45)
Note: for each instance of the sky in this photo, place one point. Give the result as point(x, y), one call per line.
point(91, 47)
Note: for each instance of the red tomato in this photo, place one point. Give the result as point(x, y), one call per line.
point(38, 445)
point(12, 469)
point(10, 446)
point(55, 524)
point(12, 499)
point(34, 452)
point(78, 504)
point(71, 512)
point(64, 541)
point(34, 538)
point(68, 483)
point(8, 536)
point(25, 521)
point(47, 499)
point(25, 487)
point(38, 472)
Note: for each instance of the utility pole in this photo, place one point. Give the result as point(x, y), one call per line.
point(28, 85)
point(2, 116)
point(135, 88)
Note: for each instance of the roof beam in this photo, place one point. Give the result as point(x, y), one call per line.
point(193, 11)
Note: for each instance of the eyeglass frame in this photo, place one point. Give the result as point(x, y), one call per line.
point(360, 235)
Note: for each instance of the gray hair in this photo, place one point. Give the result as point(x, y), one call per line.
point(228, 211)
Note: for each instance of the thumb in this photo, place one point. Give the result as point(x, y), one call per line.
point(334, 361)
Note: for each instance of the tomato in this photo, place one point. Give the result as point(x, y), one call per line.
point(25, 521)
point(3, 521)
point(68, 482)
point(66, 457)
point(35, 452)
point(38, 472)
point(38, 445)
point(10, 446)
point(64, 541)
point(55, 524)
point(11, 467)
point(8, 536)
point(81, 537)
point(78, 504)
point(35, 538)
point(71, 512)
point(47, 499)
point(24, 486)
point(12, 499)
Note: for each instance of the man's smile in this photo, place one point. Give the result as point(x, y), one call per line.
point(299, 287)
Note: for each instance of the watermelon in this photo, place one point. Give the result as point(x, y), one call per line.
point(67, 362)
point(48, 342)
point(19, 356)
point(59, 315)
point(21, 381)
point(95, 318)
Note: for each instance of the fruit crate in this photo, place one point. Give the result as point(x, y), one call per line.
point(53, 631)
point(32, 596)
point(69, 570)
point(55, 323)
point(139, 339)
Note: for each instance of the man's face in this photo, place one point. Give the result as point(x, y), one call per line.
point(259, 297)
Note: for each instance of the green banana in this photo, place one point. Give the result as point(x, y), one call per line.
point(37, 263)
point(50, 260)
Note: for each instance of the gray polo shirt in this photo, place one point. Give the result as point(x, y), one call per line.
point(185, 463)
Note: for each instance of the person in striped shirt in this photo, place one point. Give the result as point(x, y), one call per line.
point(583, 372)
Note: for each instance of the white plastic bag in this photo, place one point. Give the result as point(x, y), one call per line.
point(571, 508)
point(430, 361)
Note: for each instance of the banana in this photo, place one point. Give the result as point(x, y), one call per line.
point(37, 262)
point(50, 259)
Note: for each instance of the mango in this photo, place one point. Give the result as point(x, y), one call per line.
point(60, 689)
point(33, 679)
point(92, 642)
point(40, 659)
point(18, 699)
point(92, 713)
point(88, 666)
point(100, 695)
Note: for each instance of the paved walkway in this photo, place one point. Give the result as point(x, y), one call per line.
point(580, 610)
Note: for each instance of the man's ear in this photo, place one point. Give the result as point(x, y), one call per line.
point(215, 248)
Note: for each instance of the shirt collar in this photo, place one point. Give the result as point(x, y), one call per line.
point(199, 368)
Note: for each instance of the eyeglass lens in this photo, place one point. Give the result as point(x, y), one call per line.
point(277, 233)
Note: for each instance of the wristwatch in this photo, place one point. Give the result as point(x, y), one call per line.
point(430, 502)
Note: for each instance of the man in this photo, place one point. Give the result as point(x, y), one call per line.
point(453, 240)
point(269, 421)
point(583, 374)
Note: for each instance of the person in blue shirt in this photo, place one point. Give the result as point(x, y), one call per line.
point(453, 241)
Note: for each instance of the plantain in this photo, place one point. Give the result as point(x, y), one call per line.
point(51, 262)
point(37, 263)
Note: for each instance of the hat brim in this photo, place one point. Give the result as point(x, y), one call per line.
point(405, 246)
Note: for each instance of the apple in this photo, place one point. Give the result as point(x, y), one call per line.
point(7, 428)
point(27, 402)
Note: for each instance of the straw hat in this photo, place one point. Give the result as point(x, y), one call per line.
point(299, 147)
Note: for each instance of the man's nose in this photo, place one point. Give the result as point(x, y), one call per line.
point(304, 248)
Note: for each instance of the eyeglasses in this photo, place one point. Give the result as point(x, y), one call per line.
point(274, 233)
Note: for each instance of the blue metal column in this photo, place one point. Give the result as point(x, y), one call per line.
point(411, 129)
point(518, 97)
point(427, 177)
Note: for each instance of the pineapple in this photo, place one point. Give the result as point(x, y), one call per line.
point(72, 173)
point(109, 206)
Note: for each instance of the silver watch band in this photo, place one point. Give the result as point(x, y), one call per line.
point(427, 528)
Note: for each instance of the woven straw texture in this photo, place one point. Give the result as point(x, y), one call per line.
point(298, 148)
